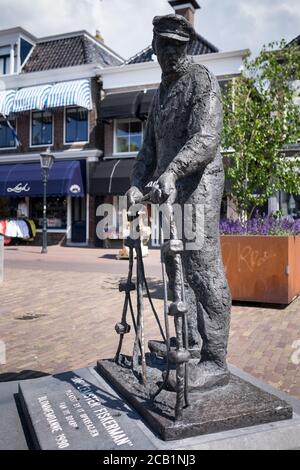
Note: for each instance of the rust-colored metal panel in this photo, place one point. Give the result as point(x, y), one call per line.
point(262, 268)
point(294, 263)
point(297, 266)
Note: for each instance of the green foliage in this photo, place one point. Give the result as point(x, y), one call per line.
point(260, 120)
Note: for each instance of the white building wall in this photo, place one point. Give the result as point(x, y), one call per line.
point(221, 64)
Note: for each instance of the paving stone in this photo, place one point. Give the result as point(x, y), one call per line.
point(74, 302)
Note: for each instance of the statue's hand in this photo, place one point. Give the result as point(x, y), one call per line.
point(164, 189)
point(134, 196)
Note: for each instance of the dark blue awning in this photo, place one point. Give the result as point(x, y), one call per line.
point(24, 179)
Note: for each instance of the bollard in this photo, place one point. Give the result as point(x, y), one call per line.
point(1, 258)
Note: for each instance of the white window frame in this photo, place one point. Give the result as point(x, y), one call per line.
point(16, 129)
point(65, 127)
point(7, 67)
point(19, 65)
point(4, 54)
point(125, 154)
point(30, 130)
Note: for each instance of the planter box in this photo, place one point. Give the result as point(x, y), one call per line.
point(262, 268)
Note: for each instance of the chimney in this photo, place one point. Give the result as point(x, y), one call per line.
point(99, 36)
point(185, 8)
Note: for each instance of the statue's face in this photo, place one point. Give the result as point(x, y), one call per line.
point(169, 52)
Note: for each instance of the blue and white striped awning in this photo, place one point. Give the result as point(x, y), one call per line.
point(7, 98)
point(73, 93)
point(31, 98)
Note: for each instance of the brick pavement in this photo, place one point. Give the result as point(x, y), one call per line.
point(53, 321)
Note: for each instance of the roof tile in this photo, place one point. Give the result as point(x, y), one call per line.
point(67, 52)
point(198, 46)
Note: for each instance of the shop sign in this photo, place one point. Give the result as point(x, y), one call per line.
point(75, 189)
point(19, 188)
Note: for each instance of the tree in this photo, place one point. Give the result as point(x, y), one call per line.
point(261, 119)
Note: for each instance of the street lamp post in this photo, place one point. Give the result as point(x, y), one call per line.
point(47, 160)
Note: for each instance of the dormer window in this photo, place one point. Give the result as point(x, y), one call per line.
point(25, 48)
point(4, 60)
point(15, 47)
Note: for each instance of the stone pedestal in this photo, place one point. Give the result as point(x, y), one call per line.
point(236, 405)
point(45, 404)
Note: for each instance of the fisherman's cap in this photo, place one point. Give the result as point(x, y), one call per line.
point(173, 27)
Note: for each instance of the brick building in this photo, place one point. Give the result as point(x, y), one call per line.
point(49, 94)
point(75, 95)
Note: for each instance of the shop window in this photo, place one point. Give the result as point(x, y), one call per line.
point(5, 210)
point(223, 85)
point(56, 212)
point(128, 136)
point(41, 128)
point(7, 139)
point(289, 204)
point(76, 125)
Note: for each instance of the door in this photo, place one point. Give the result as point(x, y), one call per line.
point(78, 220)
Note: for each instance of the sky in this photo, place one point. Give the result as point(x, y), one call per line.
point(126, 25)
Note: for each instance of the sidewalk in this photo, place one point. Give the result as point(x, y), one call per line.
point(58, 313)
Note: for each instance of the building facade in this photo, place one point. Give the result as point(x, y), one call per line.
point(73, 94)
point(127, 93)
point(49, 98)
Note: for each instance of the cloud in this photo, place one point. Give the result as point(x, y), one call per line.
point(248, 24)
point(126, 25)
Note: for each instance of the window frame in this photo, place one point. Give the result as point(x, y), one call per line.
point(6, 59)
point(65, 127)
point(120, 154)
point(30, 130)
point(16, 130)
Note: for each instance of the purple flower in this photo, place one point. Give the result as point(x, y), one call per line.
point(261, 225)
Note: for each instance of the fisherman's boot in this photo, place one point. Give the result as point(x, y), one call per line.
point(159, 348)
point(203, 376)
point(208, 373)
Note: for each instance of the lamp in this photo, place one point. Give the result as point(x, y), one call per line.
point(46, 160)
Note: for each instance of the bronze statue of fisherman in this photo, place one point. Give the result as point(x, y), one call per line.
point(181, 150)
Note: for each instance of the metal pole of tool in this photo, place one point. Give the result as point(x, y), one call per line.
point(123, 327)
point(166, 314)
point(178, 309)
point(140, 337)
